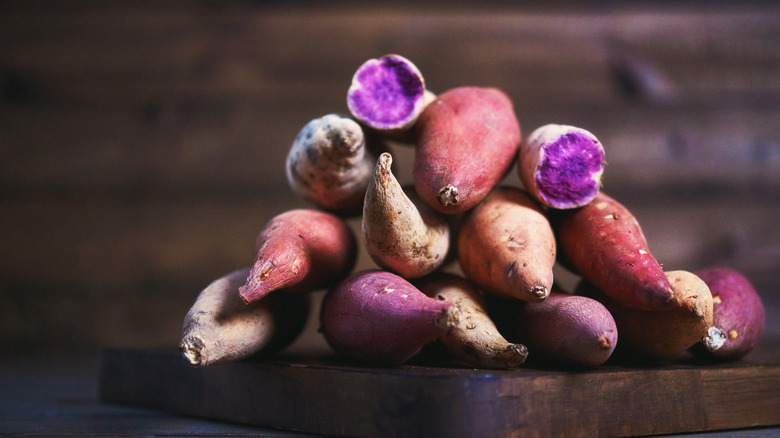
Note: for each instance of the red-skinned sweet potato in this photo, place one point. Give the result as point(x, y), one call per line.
point(506, 246)
point(738, 315)
point(300, 250)
point(474, 339)
point(467, 139)
point(564, 329)
point(604, 243)
point(379, 318)
point(220, 328)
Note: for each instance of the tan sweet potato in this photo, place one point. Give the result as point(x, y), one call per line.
point(657, 335)
point(506, 246)
point(604, 243)
point(474, 339)
point(402, 233)
point(220, 328)
point(300, 250)
point(467, 139)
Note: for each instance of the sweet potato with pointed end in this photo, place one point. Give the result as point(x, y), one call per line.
point(467, 139)
point(402, 233)
point(300, 250)
point(379, 318)
point(604, 243)
point(564, 329)
point(506, 246)
point(561, 165)
point(330, 163)
point(657, 335)
point(474, 339)
point(220, 328)
point(738, 315)
point(387, 94)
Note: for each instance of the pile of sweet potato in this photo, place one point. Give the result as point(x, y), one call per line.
point(464, 261)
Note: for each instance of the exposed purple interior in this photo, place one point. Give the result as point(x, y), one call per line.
point(389, 91)
point(565, 174)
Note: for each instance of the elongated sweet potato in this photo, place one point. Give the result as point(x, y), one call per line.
point(379, 318)
point(330, 163)
point(564, 329)
point(561, 165)
point(474, 339)
point(402, 233)
point(604, 243)
point(738, 315)
point(467, 139)
point(650, 336)
point(506, 246)
point(300, 250)
point(220, 328)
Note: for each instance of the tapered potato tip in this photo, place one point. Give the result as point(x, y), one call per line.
point(387, 93)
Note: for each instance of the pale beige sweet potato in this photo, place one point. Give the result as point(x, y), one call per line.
point(506, 246)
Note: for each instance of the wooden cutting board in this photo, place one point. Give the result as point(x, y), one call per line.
point(332, 397)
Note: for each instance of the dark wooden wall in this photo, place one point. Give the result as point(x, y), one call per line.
point(142, 143)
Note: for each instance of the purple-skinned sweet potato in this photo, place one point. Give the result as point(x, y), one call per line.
point(564, 329)
point(738, 315)
point(649, 336)
point(330, 163)
point(561, 165)
point(506, 246)
point(604, 243)
point(467, 139)
point(300, 250)
point(379, 318)
point(474, 339)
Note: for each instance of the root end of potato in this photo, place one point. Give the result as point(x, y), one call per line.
point(604, 342)
point(715, 339)
point(191, 348)
point(448, 195)
point(539, 292)
point(449, 317)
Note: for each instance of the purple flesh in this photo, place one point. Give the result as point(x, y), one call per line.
point(389, 92)
point(565, 174)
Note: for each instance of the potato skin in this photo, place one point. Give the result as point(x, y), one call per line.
point(467, 139)
point(738, 315)
point(604, 243)
point(564, 329)
point(506, 246)
point(379, 318)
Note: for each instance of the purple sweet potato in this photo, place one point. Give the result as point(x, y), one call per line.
point(649, 336)
point(387, 94)
point(506, 246)
point(330, 163)
point(300, 250)
point(379, 318)
point(220, 328)
point(604, 243)
point(474, 339)
point(401, 232)
point(561, 165)
point(564, 329)
point(738, 315)
point(467, 139)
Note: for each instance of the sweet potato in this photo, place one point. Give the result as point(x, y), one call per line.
point(564, 329)
point(330, 163)
point(650, 336)
point(379, 318)
point(219, 328)
point(402, 233)
point(738, 315)
point(506, 246)
point(474, 339)
point(467, 139)
point(300, 250)
point(561, 165)
point(604, 243)
point(387, 94)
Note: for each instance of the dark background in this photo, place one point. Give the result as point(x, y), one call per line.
point(142, 143)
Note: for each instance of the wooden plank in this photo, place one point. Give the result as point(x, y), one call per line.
point(332, 397)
